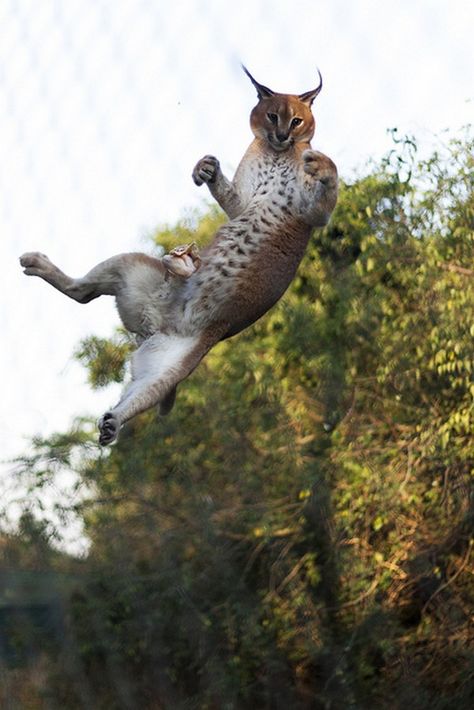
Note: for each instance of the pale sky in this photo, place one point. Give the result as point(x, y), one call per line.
point(106, 105)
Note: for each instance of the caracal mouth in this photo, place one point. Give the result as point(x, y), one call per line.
point(278, 145)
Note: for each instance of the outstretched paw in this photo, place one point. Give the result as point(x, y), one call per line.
point(36, 264)
point(319, 166)
point(108, 428)
point(206, 170)
point(313, 162)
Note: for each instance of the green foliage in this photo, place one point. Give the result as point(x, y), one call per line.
point(298, 532)
point(104, 358)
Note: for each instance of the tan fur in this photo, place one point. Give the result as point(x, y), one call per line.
point(183, 304)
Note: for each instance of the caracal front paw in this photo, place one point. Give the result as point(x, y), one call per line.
point(109, 427)
point(206, 170)
point(319, 166)
point(36, 264)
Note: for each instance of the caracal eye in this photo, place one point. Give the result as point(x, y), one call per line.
point(296, 122)
point(273, 118)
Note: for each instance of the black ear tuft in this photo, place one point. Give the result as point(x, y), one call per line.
point(309, 96)
point(263, 92)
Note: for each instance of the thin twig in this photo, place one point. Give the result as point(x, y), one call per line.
point(448, 582)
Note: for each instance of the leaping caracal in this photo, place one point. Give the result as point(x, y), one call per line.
point(180, 306)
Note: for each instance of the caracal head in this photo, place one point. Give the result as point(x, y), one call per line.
point(283, 119)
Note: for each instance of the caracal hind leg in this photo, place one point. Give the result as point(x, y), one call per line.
point(103, 279)
point(36, 264)
point(159, 364)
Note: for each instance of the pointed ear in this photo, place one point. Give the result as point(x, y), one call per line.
point(309, 96)
point(263, 92)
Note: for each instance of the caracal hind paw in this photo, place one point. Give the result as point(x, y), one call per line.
point(35, 264)
point(108, 429)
